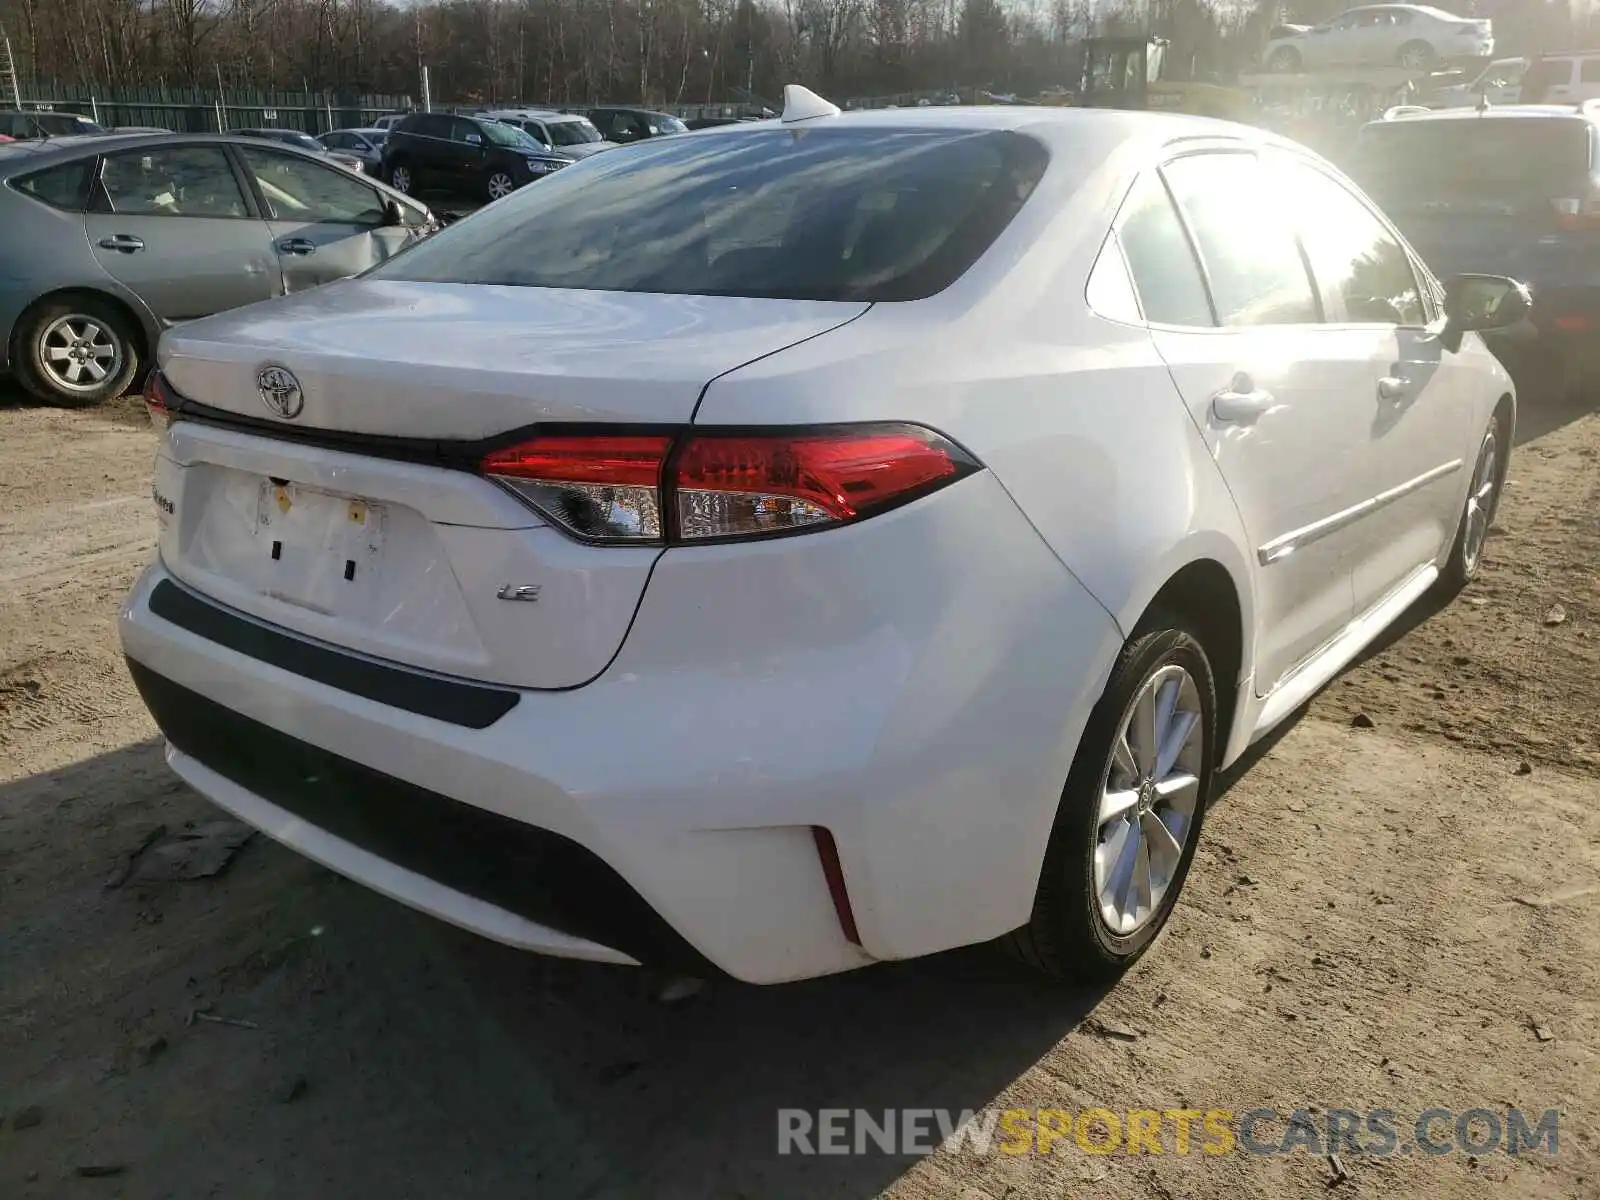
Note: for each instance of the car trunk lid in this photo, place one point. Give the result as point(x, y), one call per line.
point(361, 522)
point(468, 361)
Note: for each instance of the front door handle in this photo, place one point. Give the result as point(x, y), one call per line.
point(297, 246)
point(1241, 407)
point(124, 242)
point(1394, 387)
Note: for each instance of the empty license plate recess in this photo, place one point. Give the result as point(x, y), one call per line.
point(319, 544)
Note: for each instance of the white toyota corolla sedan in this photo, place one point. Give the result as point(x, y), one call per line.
point(784, 548)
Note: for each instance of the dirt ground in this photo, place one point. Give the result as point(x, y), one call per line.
point(1401, 916)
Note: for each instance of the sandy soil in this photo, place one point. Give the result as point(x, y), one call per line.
point(1378, 917)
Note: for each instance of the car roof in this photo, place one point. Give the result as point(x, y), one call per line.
point(1111, 121)
point(1081, 133)
point(30, 155)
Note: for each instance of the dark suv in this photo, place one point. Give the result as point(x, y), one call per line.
point(470, 156)
point(634, 124)
point(25, 126)
point(1506, 191)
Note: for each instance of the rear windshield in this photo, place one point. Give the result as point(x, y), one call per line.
point(572, 133)
point(1496, 159)
point(821, 214)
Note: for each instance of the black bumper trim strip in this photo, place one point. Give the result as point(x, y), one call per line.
point(471, 705)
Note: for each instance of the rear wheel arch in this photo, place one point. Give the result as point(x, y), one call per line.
point(143, 331)
point(1204, 597)
point(139, 319)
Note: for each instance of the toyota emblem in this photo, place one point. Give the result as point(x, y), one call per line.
point(280, 391)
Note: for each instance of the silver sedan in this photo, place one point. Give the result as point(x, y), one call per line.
point(110, 240)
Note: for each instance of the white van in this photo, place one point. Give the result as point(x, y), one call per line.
point(1562, 77)
point(1499, 83)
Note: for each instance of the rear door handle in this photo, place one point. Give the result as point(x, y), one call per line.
point(1240, 407)
point(297, 246)
point(1394, 387)
point(124, 242)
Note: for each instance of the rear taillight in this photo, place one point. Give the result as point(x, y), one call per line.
point(705, 486)
point(604, 488)
point(158, 400)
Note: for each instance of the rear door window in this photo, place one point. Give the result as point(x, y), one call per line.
point(1246, 240)
point(65, 187)
point(431, 125)
point(1165, 273)
point(865, 214)
point(172, 181)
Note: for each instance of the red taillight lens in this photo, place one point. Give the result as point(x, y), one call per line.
point(158, 400)
point(724, 485)
point(735, 486)
point(602, 488)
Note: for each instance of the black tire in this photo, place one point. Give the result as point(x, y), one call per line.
point(1066, 936)
point(1285, 60)
point(1464, 559)
point(49, 328)
point(1416, 55)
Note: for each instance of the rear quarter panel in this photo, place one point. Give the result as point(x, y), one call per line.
point(1076, 415)
point(44, 250)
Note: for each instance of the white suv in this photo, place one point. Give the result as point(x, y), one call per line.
point(1570, 77)
point(569, 135)
point(884, 559)
point(1383, 35)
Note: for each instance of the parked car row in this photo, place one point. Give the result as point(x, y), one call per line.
point(473, 155)
point(110, 240)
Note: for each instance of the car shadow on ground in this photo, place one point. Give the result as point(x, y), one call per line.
point(434, 1062)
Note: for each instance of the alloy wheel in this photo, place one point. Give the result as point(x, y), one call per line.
point(78, 353)
point(1480, 503)
point(501, 185)
point(400, 179)
point(1148, 799)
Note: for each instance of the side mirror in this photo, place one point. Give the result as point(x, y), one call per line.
point(393, 214)
point(1482, 302)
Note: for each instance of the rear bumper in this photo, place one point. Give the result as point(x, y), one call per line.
point(915, 685)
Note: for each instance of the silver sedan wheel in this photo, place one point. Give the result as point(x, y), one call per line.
point(78, 353)
point(1148, 799)
point(1414, 58)
point(1480, 503)
point(400, 179)
point(501, 185)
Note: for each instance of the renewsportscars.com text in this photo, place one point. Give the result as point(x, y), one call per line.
point(1378, 1132)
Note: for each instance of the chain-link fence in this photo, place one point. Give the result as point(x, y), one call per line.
point(200, 110)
